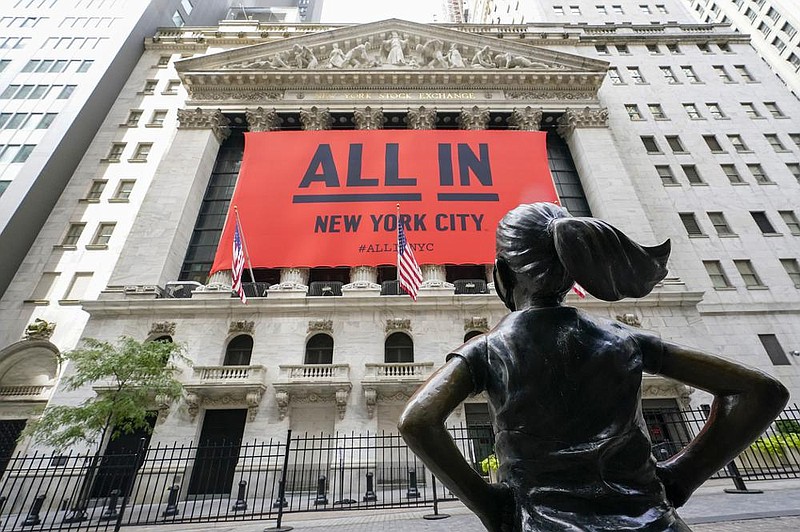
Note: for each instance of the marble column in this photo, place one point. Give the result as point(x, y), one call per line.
point(169, 211)
point(603, 175)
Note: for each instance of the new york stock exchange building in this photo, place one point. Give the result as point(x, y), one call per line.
point(334, 125)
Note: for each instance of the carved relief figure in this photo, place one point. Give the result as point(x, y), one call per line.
point(336, 57)
point(506, 60)
point(279, 60)
point(431, 54)
point(358, 56)
point(395, 46)
point(454, 57)
point(564, 390)
point(304, 57)
point(482, 58)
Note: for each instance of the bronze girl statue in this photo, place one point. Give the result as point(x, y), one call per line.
point(564, 390)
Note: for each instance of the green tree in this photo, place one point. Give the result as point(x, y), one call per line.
point(131, 377)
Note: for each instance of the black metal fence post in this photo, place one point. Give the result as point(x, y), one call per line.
point(241, 504)
point(111, 506)
point(369, 495)
point(435, 515)
point(322, 497)
point(33, 514)
point(172, 502)
point(413, 491)
point(282, 489)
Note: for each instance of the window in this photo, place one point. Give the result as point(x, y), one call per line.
point(601, 10)
point(187, 6)
point(44, 287)
point(690, 223)
point(133, 118)
point(3, 186)
point(622, 49)
point(319, 350)
point(73, 235)
point(748, 273)
point(675, 144)
point(774, 110)
point(163, 61)
point(669, 75)
point(795, 138)
point(633, 111)
point(720, 224)
point(758, 173)
point(618, 10)
point(690, 74)
point(732, 174)
point(791, 221)
point(775, 142)
point(157, 120)
point(792, 270)
point(84, 66)
point(666, 175)
point(763, 223)
point(398, 348)
point(692, 174)
point(716, 274)
point(645, 9)
point(172, 86)
point(46, 120)
point(715, 111)
point(78, 286)
point(764, 28)
point(150, 86)
point(141, 152)
point(744, 73)
point(738, 143)
point(23, 153)
point(713, 144)
point(650, 145)
point(674, 49)
point(123, 192)
point(177, 19)
point(103, 234)
point(750, 110)
point(66, 92)
point(613, 75)
point(794, 168)
point(653, 49)
point(751, 14)
point(575, 10)
point(789, 30)
point(601, 49)
point(115, 153)
point(636, 75)
point(657, 111)
point(725, 48)
point(692, 111)
point(773, 14)
point(774, 350)
point(4, 63)
point(661, 8)
point(559, 10)
point(705, 48)
point(238, 351)
point(96, 190)
point(722, 74)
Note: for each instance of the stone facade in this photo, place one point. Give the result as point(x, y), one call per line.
point(539, 77)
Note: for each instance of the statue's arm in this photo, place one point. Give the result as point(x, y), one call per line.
point(746, 401)
point(422, 425)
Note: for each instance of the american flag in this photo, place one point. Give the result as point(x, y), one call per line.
point(237, 264)
point(408, 271)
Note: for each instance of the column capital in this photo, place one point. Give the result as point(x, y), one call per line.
point(261, 119)
point(581, 118)
point(315, 119)
point(527, 119)
point(368, 118)
point(474, 118)
point(200, 118)
point(422, 118)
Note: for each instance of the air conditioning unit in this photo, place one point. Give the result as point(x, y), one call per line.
point(390, 288)
point(471, 286)
point(325, 288)
point(180, 289)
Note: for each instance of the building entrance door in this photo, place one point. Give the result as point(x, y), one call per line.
point(217, 452)
point(10, 430)
point(119, 463)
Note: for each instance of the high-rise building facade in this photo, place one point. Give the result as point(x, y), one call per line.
point(773, 27)
point(664, 127)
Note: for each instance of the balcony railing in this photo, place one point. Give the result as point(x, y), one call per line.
point(399, 370)
point(24, 393)
point(229, 374)
point(315, 372)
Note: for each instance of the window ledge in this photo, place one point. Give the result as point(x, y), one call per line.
point(728, 236)
point(672, 184)
point(145, 93)
point(780, 117)
point(766, 183)
point(129, 125)
point(137, 160)
point(118, 200)
point(169, 93)
point(66, 302)
point(771, 234)
point(65, 248)
point(741, 183)
point(96, 246)
point(784, 150)
point(698, 236)
point(725, 288)
point(88, 200)
point(744, 151)
point(37, 301)
point(698, 118)
point(154, 125)
point(661, 119)
point(681, 153)
point(107, 160)
point(757, 287)
point(721, 117)
point(698, 184)
point(718, 152)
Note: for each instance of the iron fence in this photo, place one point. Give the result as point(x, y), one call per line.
point(309, 472)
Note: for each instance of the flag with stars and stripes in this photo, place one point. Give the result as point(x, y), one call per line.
point(408, 272)
point(237, 264)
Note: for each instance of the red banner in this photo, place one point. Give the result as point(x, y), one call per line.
point(329, 198)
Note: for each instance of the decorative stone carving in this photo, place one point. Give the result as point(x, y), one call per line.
point(659, 387)
point(39, 329)
point(205, 119)
point(282, 400)
point(362, 278)
point(476, 323)
point(228, 93)
point(163, 404)
point(315, 119)
point(630, 319)
point(162, 327)
point(422, 118)
point(192, 401)
point(395, 48)
point(341, 401)
point(434, 276)
point(393, 325)
point(454, 57)
point(368, 118)
point(315, 326)
point(483, 58)
point(292, 279)
point(252, 400)
point(587, 117)
point(221, 278)
point(241, 326)
point(431, 55)
point(261, 119)
point(371, 398)
point(550, 95)
point(336, 57)
point(475, 118)
point(304, 57)
point(527, 119)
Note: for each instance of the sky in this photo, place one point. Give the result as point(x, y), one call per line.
point(334, 11)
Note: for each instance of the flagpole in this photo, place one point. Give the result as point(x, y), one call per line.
point(244, 243)
point(397, 242)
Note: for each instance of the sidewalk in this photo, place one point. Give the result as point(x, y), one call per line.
point(777, 509)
